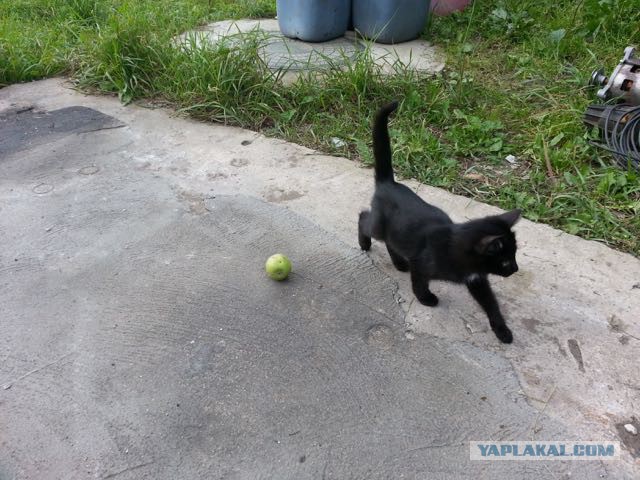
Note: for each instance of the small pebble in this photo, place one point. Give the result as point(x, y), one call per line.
point(511, 159)
point(631, 429)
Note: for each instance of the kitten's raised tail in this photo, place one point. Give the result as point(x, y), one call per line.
point(381, 143)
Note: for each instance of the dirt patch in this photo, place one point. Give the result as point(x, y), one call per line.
point(278, 195)
point(630, 441)
point(196, 202)
point(216, 176)
point(239, 162)
point(574, 348)
point(531, 324)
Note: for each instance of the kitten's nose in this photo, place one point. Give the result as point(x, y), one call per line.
point(514, 267)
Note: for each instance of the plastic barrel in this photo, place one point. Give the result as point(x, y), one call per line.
point(313, 20)
point(390, 21)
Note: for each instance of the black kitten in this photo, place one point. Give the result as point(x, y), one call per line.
point(422, 238)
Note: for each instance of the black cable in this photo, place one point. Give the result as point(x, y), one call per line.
point(621, 127)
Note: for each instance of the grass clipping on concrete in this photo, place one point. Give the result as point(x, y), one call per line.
point(515, 86)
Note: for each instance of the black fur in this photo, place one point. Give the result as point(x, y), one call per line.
point(422, 239)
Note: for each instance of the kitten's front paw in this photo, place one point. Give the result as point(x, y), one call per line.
point(365, 243)
point(428, 299)
point(503, 334)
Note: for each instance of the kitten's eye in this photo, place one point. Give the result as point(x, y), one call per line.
point(494, 247)
point(506, 264)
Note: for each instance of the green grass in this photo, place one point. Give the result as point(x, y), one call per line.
point(514, 84)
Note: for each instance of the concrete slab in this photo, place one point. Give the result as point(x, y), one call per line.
point(296, 57)
point(141, 339)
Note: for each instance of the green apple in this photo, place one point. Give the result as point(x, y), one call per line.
point(278, 267)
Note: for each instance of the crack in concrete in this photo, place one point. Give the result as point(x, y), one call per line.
point(128, 469)
point(9, 384)
point(102, 128)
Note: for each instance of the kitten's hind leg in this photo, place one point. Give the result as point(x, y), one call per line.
point(364, 230)
point(398, 261)
point(420, 284)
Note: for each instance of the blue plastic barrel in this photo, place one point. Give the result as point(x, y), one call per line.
point(390, 21)
point(313, 20)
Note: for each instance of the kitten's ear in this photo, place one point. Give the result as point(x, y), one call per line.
point(510, 218)
point(489, 245)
